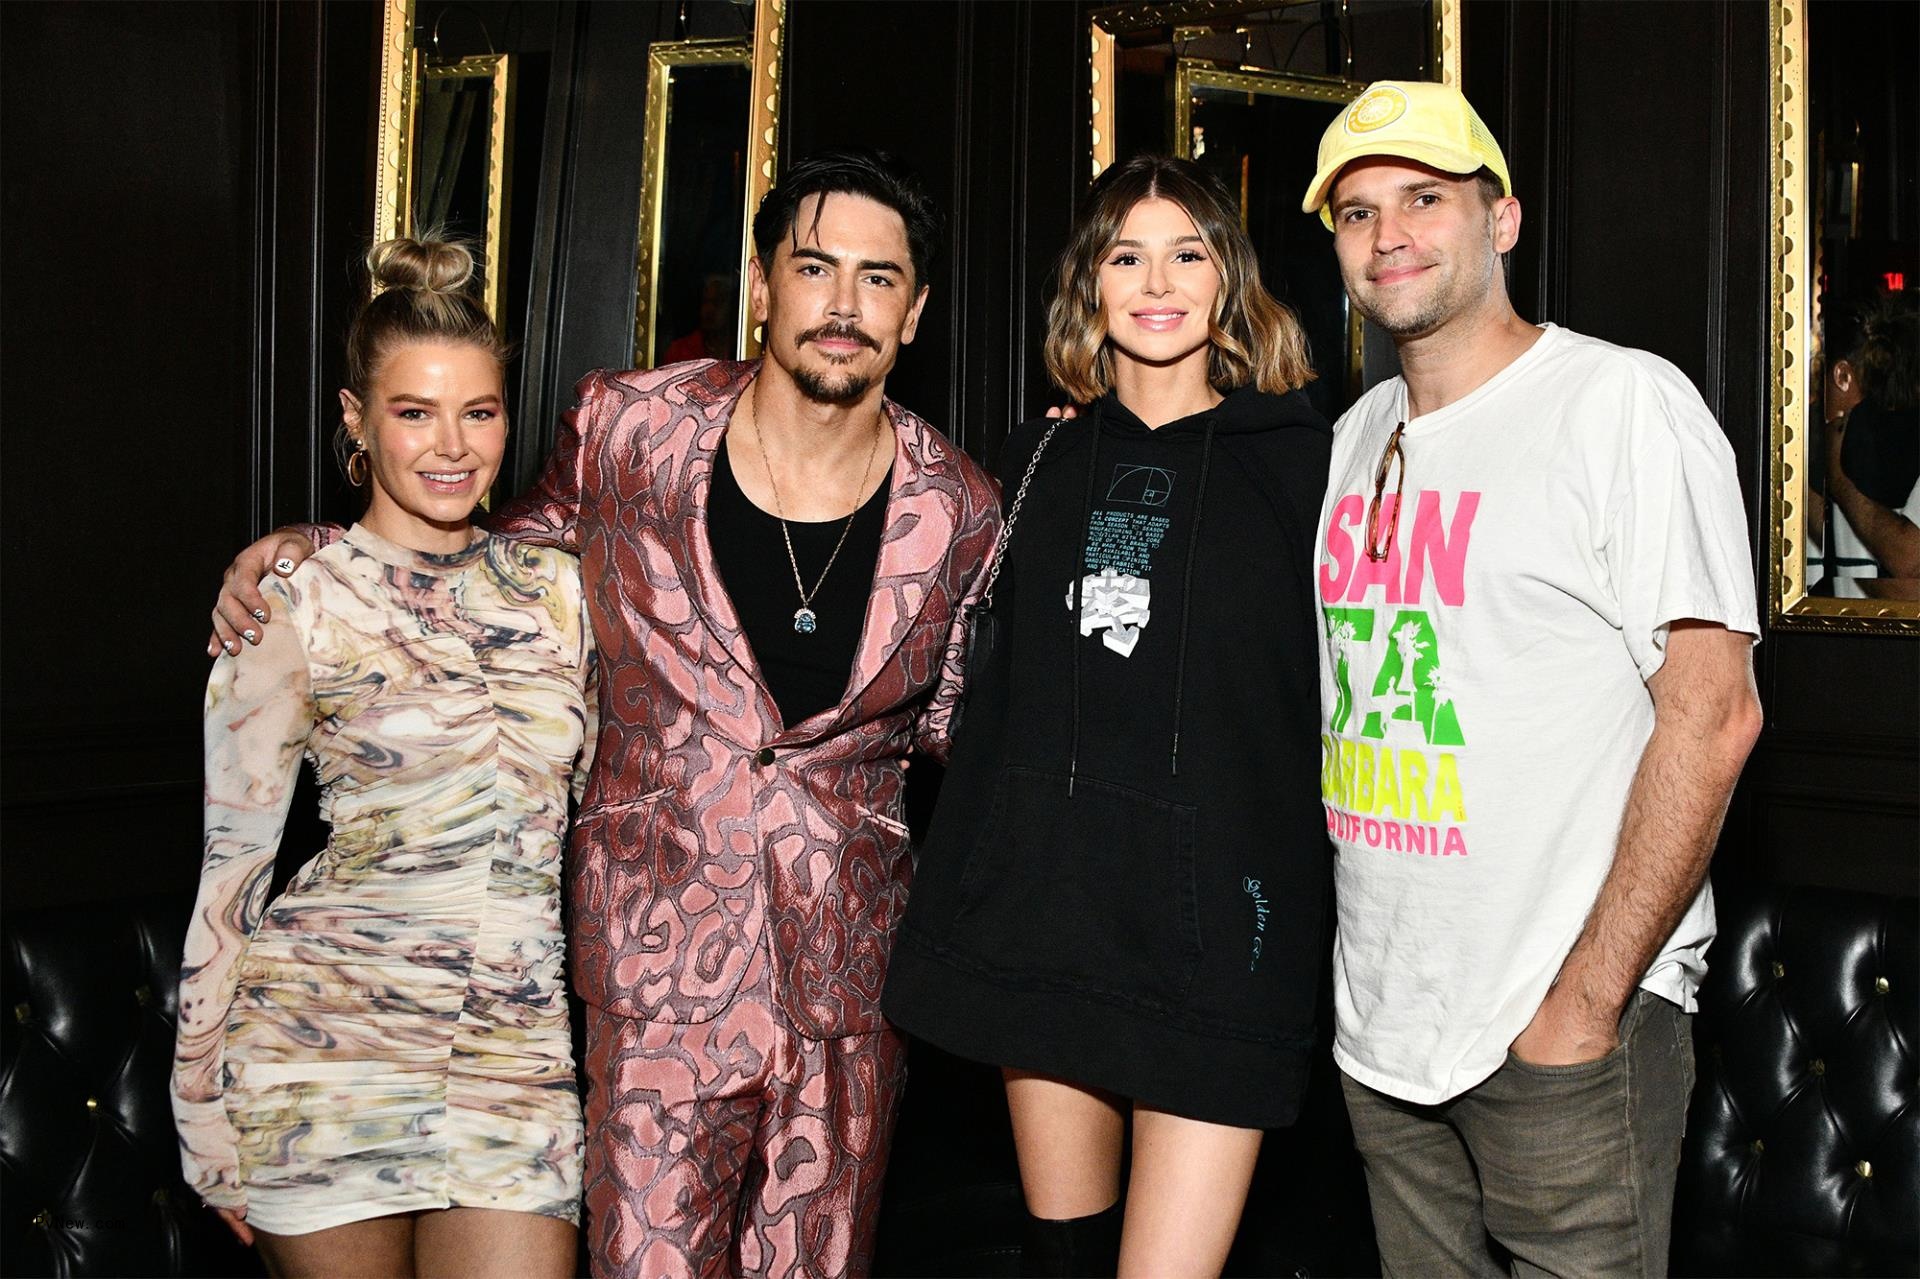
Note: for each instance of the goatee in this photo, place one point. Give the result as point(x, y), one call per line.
point(839, 391)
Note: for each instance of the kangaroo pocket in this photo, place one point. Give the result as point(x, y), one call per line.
point(1092, 891)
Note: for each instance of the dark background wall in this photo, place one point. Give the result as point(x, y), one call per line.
point(1646, 223)
point(172, 245)
point(177, 258)
point(179, 263)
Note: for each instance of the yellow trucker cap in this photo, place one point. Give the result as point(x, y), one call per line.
point(1433, 124)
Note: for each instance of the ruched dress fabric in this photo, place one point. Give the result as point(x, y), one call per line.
point(390, 1033)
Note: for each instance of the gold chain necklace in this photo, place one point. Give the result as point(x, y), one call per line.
point(805, 620)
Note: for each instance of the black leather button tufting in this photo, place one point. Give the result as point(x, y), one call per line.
point(86, 1129)
point(1799, 1079)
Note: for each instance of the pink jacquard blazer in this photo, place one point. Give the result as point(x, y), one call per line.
point(708, 827)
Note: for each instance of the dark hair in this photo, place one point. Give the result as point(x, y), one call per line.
point(1492, 190)
point(423, 291)
point(1881, 340)
point(1255, 338)
point(873, 174)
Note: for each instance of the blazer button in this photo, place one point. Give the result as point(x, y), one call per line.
point(764, 757)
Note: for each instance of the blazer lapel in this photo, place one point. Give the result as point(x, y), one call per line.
point(922, 518)
point(715, 394)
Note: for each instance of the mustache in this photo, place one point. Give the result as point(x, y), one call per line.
point(838, 333)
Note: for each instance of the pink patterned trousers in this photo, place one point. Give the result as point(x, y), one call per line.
point(735, 1146)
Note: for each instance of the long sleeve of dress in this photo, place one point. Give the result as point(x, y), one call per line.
point(259, 714)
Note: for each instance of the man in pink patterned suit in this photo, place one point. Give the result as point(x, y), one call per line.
point(739, 861)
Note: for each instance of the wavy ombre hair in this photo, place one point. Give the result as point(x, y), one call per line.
point(1256, 340)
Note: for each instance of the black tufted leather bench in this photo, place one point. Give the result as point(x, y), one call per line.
point(1803, 1142)
point(89, 1167)
point(1803, 1150)
point(1802, 1156)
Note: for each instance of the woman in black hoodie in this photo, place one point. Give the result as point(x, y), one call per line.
point(1122, 901)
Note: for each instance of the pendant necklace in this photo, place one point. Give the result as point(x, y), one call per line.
point(805, 620)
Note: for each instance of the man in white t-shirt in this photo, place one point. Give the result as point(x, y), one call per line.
point(1538, 693)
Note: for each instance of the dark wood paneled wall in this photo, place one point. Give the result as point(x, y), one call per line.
point(173, 240)
point(987, 103)
point(179, 260)
point(1637, 135)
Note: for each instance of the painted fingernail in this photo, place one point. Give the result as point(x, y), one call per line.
point(260, 615)
point(231, 647)
point(251, 636)
point(283, 565)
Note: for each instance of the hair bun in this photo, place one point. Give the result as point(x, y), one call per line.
point(426, 265)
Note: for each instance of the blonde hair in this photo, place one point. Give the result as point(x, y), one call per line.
point(424, 290)
point(1255, 338)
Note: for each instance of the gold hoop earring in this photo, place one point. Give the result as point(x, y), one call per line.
point(357, 475)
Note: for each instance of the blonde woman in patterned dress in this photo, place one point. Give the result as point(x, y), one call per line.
point(374, 1073)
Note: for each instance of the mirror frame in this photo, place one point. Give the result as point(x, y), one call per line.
point(498, 69)
point(765, 56)
point(663, 56)
point(1791, 390)
point(1107, 24)
point(1194, 73)
point(394, 131)
point(403, 67)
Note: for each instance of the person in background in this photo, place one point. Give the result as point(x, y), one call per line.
point(1123, 898)
point(1535, 672)
point(374, 1070)
point(1873, 449)
point(713, 337)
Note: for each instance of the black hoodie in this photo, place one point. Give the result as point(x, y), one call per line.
point(1130, 845)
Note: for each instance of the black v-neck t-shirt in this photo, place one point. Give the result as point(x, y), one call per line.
point(806, 673)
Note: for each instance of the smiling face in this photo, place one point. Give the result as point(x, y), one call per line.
point(1418, 247)
point(839, 298)
point(435, 427)
point(1158, 287)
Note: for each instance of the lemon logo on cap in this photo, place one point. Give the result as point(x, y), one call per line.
point(1376, 109)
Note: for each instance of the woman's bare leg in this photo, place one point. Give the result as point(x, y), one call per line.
point(379, 1248)
point(1069, 1139)
point(1185, 1194)
point(486, 1243)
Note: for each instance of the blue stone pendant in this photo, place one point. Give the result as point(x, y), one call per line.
point(804, 621)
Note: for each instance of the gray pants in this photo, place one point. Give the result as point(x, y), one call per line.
point(1569, 1168)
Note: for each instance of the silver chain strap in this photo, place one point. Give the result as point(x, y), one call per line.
point(1013, 514)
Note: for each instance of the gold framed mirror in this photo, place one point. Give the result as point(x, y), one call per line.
point(1405, 40)
point(1248, 113)
point(1245, 89)
point(712, 120)
point(1844, 452)
point(444, 147)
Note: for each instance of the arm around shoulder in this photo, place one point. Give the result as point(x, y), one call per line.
point(242, 612)
point(549, 512)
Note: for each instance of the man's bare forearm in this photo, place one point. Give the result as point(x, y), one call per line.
point(1890, 536)
point(1703, 732)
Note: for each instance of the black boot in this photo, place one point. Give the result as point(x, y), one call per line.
point(1078, 1248)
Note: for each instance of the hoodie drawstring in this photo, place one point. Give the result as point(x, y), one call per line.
point(1079, 576)
point(1186, 593)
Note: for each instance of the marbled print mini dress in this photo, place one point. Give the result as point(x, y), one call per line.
point(390, 1032)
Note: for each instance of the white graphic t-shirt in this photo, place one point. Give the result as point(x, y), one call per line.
point(1483, 688)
